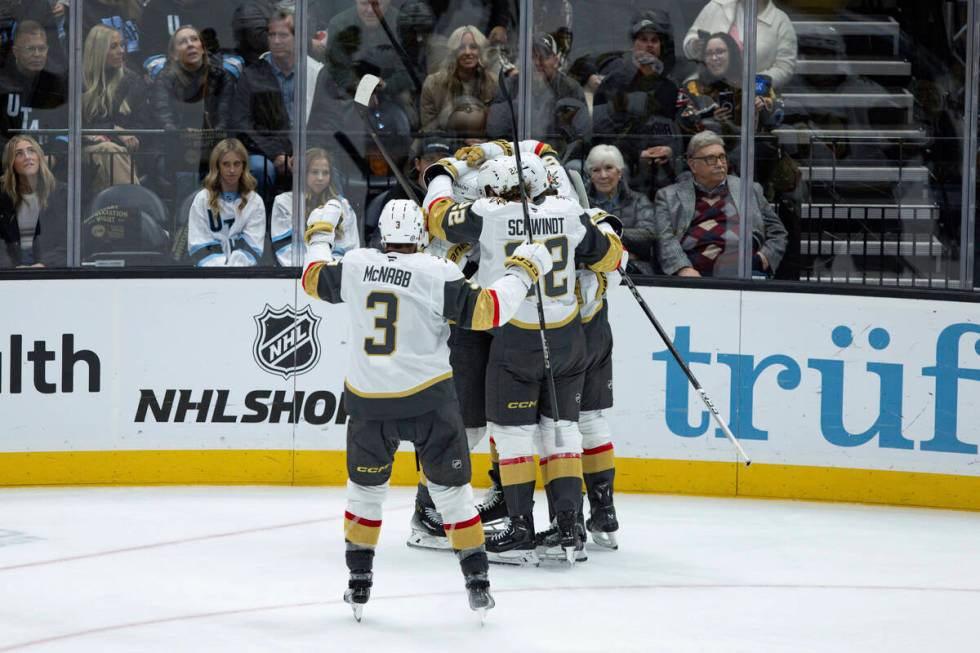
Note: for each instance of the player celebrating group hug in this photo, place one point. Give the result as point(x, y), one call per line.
point(407, 380)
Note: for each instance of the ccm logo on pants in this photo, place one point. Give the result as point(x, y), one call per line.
point(522, 404)
point(372, 470)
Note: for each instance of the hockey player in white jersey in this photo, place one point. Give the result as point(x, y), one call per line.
point(399, 383)
point(517, 395)
point(598, 463)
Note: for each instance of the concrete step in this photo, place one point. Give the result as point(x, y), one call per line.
point(886, 27)
point(867, 68)
point(888, 174)
point(798, 136)
point(925, 246)
point(902, 100)
point(905, 212)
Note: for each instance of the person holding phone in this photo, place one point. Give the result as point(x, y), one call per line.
point(713, 98)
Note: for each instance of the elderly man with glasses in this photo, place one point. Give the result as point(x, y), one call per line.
point(698, 223)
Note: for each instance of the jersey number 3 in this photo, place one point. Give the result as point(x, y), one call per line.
point(385, 322)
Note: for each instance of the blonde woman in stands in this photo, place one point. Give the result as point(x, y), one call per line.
point(32, 208)
point(113, 97)
point(319, 193)
point(226, 225)
point(456, 99)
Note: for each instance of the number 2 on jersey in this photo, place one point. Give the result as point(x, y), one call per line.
point(385, 322)
point(556, 281)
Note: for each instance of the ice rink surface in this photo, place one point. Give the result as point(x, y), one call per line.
point(262, 569)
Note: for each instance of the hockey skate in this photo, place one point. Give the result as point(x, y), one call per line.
point(602, 522)
point(358, 591)
point(427, 530)
point(493, 507)
point(551, 546)
point(513, 545)
point(478, 591)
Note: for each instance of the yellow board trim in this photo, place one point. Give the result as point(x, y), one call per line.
point(286, 467)
point(398, 395)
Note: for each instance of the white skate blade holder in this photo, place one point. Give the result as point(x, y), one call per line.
point(358, 609)
point(605, 540)
point(419, 540)
point(520, 558)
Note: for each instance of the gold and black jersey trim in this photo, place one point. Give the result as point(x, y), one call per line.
point(614, 254)
point(534, 326)
point(316, 228)
point(398, 395)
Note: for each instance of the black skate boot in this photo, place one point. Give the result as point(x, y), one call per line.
point(549, 544)
point(358, 591)
point(427, 531)
point(515, 544)
point(602, 521)
point(493, 506)
point(475, 567)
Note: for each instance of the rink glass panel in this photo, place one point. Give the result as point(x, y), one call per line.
point(871, 187)
point(866, 166)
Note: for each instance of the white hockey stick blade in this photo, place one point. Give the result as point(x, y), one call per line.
point(365, 89)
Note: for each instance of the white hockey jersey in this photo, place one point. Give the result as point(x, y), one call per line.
point(399, 306)
point(347, 235)
point(232, 237)
point(498, 226)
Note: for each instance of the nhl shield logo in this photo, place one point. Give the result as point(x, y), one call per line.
point(286, 340)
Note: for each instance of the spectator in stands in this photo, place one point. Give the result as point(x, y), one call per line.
point(32, 208)
point(113, 97)
point(226, 225)
point(415, 28)
point(50, 14)
point(697, 218)
point(161, 18)
point(718, 84)
point(357, 44)
point(122, 15)
point(608, 190)
point(250, 27)
point(560, 115)
point(456, 99)
point(33, 97)
point(426, 151)
point(319, 191)
point(263, 108)
point(191, 100)
point(775, 36)
point(635, 106)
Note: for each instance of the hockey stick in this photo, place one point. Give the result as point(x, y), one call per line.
point(362, 97)
point(396, 44)
point(528, 232)
point(687, 370)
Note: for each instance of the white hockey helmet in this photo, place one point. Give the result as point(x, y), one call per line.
point(401, 223)
point(535, 174)
point(499, 175)
point(467, 187)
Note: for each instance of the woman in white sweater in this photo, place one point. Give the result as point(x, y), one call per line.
point(226, 226)
point(319, 191)
point(775, 36)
